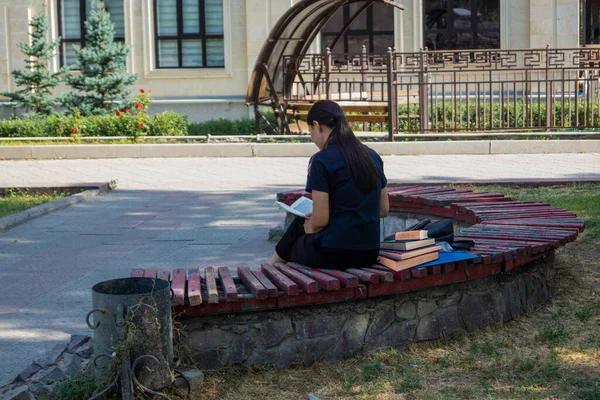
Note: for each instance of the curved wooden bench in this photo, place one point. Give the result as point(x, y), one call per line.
point(507, 234)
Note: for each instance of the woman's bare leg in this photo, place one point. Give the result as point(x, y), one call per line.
point(276, 259)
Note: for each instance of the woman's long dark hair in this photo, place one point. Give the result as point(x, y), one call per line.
point(358, 161)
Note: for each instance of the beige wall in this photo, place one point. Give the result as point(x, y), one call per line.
point(524, 23)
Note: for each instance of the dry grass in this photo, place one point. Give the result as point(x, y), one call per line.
point(551, 353)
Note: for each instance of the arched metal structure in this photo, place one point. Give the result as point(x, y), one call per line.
point(292, 36)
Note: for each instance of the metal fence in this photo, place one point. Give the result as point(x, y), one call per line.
point(458, 91)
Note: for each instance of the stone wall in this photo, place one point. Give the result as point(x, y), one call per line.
point(340, 330)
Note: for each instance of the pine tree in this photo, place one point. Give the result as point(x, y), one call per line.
point(103, 80)
point(35, 79)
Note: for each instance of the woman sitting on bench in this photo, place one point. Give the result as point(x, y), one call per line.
point(349, 195)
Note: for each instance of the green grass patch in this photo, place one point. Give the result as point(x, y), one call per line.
point(15, 201)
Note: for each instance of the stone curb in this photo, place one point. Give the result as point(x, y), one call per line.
point(10, 221)
point(463, 147)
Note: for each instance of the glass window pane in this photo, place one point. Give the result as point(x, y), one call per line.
point(382, 42)
point(167, 53)
point(70, 19)
point(462, 14)
point(336, 22)
point(462, 41)
point(383, 17)
point(592, 21)
point(166, 17)
point(361, 21)
point(191, 16)
point(117, 16)
point(488, 14)
point(68, 53)
point(489, 40)
point(355, 43)
point(214, 17)
point(438, 41)
point(436, 14)
point(215, 53)
point(192, 53)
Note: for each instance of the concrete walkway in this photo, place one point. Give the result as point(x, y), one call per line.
point(176, 213)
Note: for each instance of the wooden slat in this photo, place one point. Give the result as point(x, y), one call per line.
point(399, 275)
point(227, 284)
point(164, 274)
point(327, 282)
point(384, 276)
point(211, 286)
point(137, 273)
point(272, 290)
point(151, 273)
point(346, 280)
point(257, 289)
point(193, 282)
point(284, 283)
point(178, 286)
point(364, 276)
point(304, 282)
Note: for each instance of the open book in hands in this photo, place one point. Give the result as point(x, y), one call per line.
point(301, 207)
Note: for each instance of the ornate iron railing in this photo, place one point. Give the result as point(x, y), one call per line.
point(458, 91)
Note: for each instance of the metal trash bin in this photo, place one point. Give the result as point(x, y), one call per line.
point(133, 313)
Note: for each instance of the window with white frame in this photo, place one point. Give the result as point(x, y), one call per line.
point(72, 15)
point(189, 34)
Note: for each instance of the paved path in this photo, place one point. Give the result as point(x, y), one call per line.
point(169, 213)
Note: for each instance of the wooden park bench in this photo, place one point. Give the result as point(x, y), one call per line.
point(507, 235)
point(356, 111)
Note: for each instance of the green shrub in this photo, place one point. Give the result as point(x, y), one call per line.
point(165, 124)
point(221, 126)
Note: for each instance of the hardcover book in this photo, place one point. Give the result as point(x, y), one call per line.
point(406, 244)
point(399, 255)
point(411, 262)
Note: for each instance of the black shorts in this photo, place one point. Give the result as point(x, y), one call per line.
point(302, 248)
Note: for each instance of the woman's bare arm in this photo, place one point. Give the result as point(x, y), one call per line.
point(320, 214)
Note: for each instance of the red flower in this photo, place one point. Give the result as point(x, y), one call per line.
point(138, 105)
point(127, 109)
point(142, 91)
point(142, 124)
point(73, 130)
point(118, 113)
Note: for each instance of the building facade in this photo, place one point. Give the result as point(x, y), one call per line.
point(196, 56)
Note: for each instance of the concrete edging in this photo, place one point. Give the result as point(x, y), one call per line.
point(10, 221)
point(463, 147)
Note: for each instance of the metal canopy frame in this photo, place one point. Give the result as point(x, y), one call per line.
point(292, 36)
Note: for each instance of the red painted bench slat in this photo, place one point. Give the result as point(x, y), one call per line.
point(384, 276)
point(346, 280)
point(194, 282)
point(399, 275)
point(151, 273)
point(364, 276)
point(211, 285)
point(257, 289)
point(228, 285)
point(284, 283)
point(164, 274)
point(328, 282)
point(272, 290)
point(178, 286)
point(304, 282)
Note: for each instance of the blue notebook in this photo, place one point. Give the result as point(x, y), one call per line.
point(453, 256)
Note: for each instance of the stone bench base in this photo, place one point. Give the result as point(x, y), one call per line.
point(340, 330)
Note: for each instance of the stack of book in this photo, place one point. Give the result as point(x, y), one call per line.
point(408, 249)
